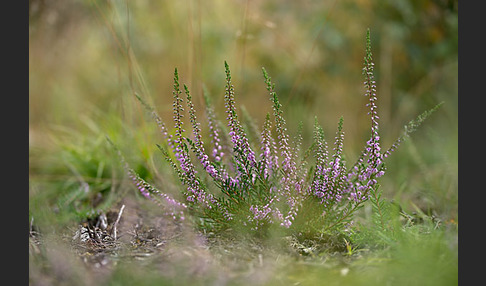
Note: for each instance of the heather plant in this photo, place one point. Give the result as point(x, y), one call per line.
point(228, 181)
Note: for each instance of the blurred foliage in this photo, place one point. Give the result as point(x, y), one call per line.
point(86, 58)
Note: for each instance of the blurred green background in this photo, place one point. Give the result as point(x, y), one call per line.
point(86, 58)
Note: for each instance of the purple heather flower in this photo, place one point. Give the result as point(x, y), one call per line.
point(173, 208)
point(268, 155)
point(195, 193)
point(242, 151)
point(198, 142)
point(367, 172)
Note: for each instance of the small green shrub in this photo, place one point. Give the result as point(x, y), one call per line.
point(280, 184)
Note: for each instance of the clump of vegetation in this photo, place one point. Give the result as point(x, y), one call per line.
point(275, 183)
